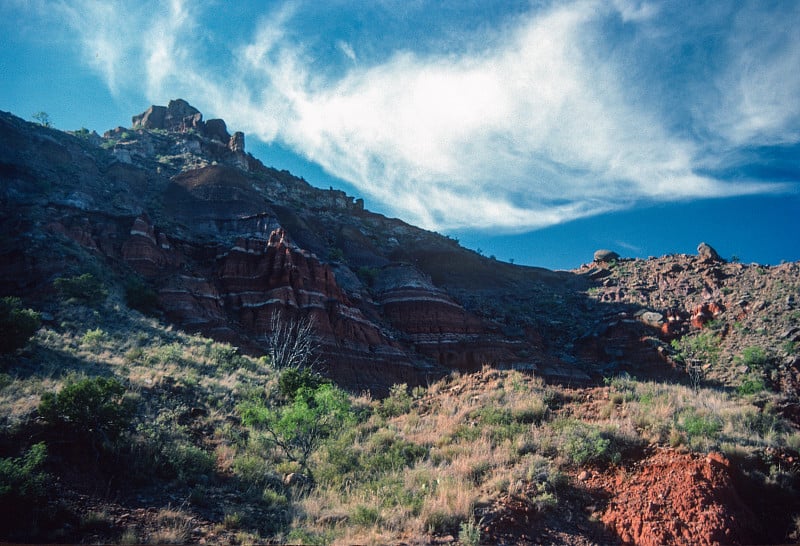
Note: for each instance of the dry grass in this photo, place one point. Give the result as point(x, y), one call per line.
point(173, 527)
point(464, 442)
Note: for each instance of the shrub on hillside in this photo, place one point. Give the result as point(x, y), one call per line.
point(299, 427)
point(17, 325)
point(23, 490)
point(293, 380)
point(397, 403)
point(84, 288)
point(93, 408)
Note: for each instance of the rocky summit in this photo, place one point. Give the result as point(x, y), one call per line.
point(148, 277)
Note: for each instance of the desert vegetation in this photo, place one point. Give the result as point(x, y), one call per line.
point(198, 440)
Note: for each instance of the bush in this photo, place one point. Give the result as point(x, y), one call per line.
point(23, 488)
point(82, 288)
point(751, 384)
point(17, 325)
point(95, 408)
point(391, 453)
point(755, 358)
point(697, 425)
point(581, 443)
point(298, 428)
point(397, 403)
point(469, 533)
point(293, 380)
point(162, 450)
point(226, 357)
point(94, 338)
point(365, 516)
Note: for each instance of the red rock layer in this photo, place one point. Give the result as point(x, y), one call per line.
point(434, 323)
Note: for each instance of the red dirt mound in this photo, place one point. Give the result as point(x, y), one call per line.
point(676, 498)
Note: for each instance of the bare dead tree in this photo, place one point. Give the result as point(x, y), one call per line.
point(293, 342)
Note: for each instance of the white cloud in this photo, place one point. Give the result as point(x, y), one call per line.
point(536, 130)
point(347, 49)
point(761, 83)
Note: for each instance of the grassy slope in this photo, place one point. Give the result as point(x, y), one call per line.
point(433, 461)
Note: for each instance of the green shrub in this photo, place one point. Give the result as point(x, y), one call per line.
point(697, 425)
point(754, 357)
point(703, 347)
point(388, 452)
point(751, 384)
point(82, 288)
point(93, 338)
point(298, 428)
point(17, 325)
point(95, 408)
point(227, 357)
point(367, 275)
point(21, 477)
point(581, 443)
point(469, 533)
point(189, 462)
point(366, 516)
point(294, 380)
point(23, 489)
point(397, 403)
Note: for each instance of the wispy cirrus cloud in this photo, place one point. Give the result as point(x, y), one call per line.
point(557, 117)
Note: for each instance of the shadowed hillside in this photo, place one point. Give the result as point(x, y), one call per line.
point(197, 347)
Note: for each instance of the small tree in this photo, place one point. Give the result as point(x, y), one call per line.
point(697, 353)
point(84, 288)
point(42, 118)
point(299, 427)
point(292, 343)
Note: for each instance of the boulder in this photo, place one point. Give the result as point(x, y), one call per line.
point(707, 253)
point(605, 256)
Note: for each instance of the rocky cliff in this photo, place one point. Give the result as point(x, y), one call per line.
point(226, 242)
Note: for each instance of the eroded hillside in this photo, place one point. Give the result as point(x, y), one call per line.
point(144, 274)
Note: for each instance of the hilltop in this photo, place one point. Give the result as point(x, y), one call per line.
point(146, 272)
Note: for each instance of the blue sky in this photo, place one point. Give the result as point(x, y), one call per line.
point(534, 130)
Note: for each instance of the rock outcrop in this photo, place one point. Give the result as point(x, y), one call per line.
point(181, 117)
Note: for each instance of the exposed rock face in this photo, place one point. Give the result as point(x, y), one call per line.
point(180, 116)
point(217, 130)
point(741, 306)
point(236, 142)
point(432, 321)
